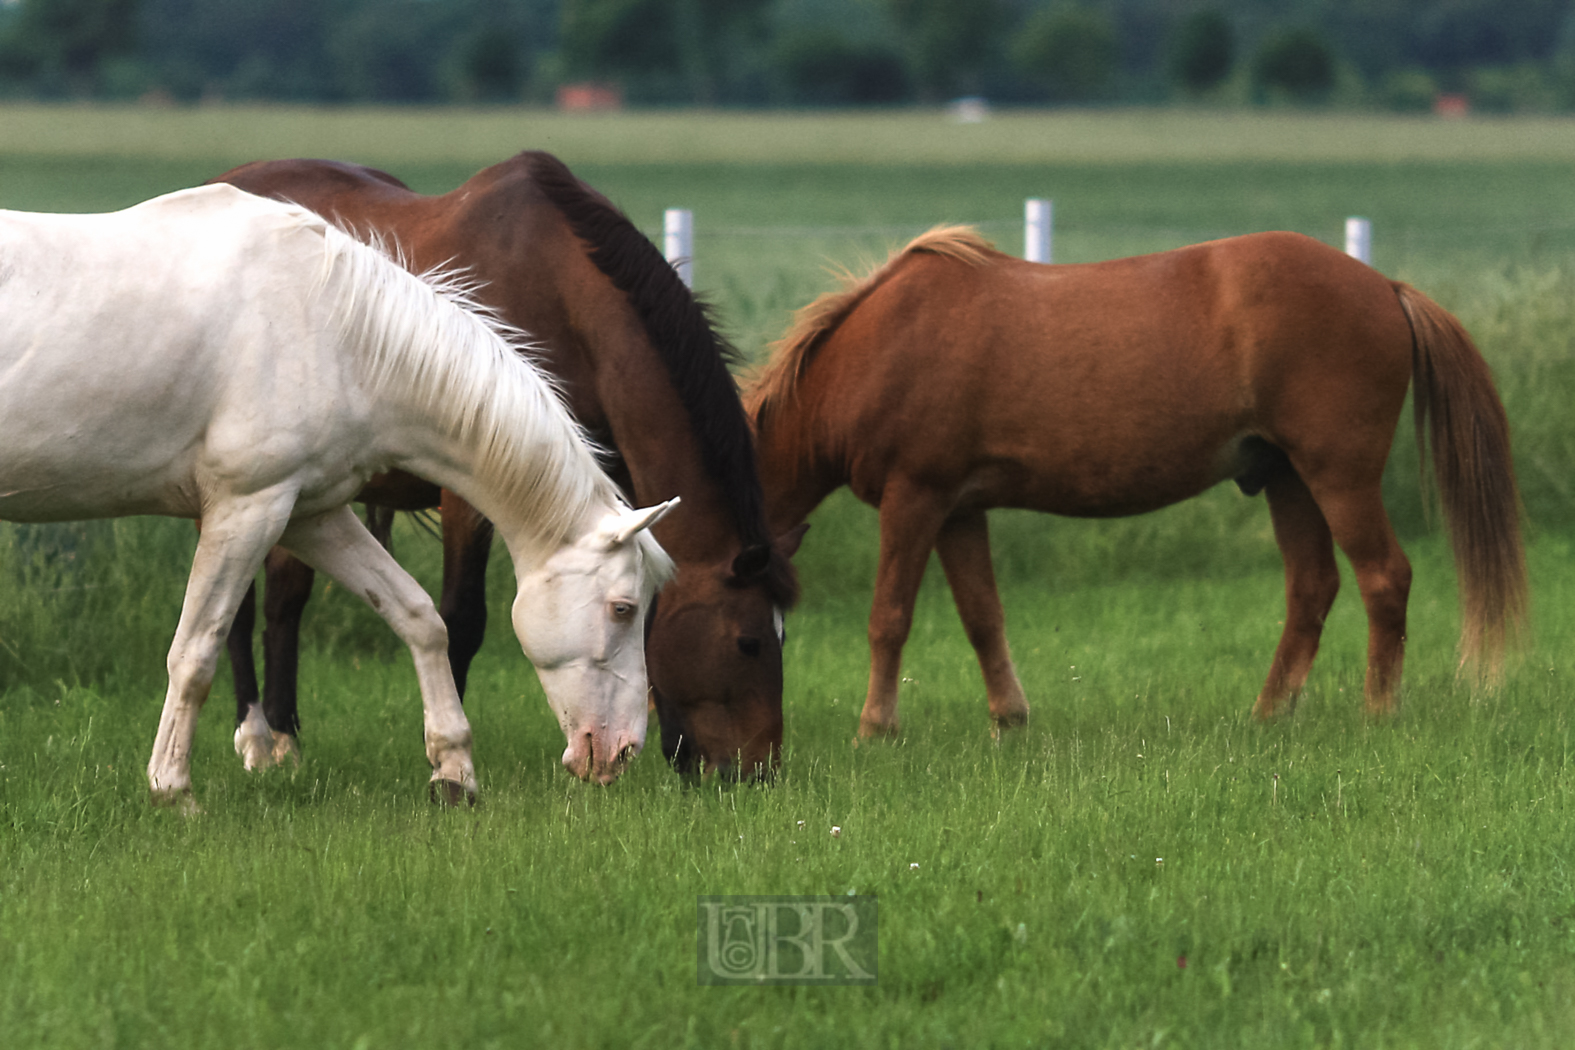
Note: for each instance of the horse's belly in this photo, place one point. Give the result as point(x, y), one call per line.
point(40, 491)
point(1094, 483)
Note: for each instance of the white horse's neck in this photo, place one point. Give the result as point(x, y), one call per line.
point(443, 460)
point(457, 404)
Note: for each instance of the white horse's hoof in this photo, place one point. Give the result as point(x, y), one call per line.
point(180, 801)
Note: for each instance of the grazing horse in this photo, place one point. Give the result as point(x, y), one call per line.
point(210, 354)
point(643, 370)
point(954, 379)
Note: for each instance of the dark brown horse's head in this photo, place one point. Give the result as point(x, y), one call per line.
point(714, 654)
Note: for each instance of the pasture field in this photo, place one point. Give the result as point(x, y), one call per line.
point(1141, 867)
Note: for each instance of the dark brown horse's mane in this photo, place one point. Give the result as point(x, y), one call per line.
point(680, 329)
point(774, 384)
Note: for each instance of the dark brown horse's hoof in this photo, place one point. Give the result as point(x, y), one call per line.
point(450, 794)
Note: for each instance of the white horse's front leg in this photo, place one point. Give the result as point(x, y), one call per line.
point(338, 544)
point(236, 534)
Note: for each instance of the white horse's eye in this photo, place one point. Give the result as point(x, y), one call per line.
point(622, 610)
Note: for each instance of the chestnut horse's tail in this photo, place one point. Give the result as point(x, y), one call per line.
point(1459, 410)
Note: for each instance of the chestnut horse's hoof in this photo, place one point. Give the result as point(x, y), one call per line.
point(450, 793)
point(1004, 721)
point(1268, 709)
point(869, 730)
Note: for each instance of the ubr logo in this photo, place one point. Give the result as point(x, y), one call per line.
point(788, 940)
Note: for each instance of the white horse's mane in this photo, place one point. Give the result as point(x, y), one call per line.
point(430, 339)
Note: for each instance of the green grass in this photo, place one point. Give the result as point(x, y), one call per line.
point(1328, 881)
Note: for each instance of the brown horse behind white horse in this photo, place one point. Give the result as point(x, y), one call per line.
point(954, 379)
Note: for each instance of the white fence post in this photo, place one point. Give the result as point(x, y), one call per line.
point(678, 242)
point(1038, 229)
point(1359, 239)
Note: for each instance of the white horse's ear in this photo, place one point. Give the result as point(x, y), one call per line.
point(618, 529)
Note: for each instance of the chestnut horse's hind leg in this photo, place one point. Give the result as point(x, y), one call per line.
point(910, 519)
point(964, 547)
point(338, 544)
point(467, 543)
point(1311, 581)
point(1361, 528)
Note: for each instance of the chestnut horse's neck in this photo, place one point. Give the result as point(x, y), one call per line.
point(797, 473)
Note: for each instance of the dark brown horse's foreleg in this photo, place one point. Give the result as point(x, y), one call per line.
point(910, 518)
point(1361, 528)
point(467, 543)
point(243, 665)
point(1311, 581)
point(287, 588)
point(964, 547)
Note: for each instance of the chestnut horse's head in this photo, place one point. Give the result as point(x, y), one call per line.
point(714, 656)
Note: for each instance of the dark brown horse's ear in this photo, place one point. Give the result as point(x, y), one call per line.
point(751, 562)
point(787, 543)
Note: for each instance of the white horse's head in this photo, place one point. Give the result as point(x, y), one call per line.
point(580, 618)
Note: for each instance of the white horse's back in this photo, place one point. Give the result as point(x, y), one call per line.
point(151, 355)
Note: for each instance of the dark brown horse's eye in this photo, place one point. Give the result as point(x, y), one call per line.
point(749, 646)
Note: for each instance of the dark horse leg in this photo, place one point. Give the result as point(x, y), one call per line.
point(1311, 581)
point(380, 523)
point(467, 543)
point(272, 733)
point(265, 733)
point(243, 667)
point(910, 519)
point(964, 547)
point(287, 587)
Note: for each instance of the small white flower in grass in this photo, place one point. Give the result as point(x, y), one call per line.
point(913, 867)
point(1159, 862)
point(801, 823)
point(836, 831)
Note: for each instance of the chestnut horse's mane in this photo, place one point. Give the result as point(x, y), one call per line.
point(680, 330)
point(774, 384)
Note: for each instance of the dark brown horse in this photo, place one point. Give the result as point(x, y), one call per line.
point(646, 373)
point(955, 379)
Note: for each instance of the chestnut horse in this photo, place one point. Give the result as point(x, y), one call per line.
point(644, 371)
point(954, 379)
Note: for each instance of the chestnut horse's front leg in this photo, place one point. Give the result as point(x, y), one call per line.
point(910, 518)
point(964, 547)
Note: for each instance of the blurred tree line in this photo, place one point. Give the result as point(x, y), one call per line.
point(1501, 54)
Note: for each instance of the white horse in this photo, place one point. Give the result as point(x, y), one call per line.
point(213, 355)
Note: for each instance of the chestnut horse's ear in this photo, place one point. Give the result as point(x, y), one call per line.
point(788, 542)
